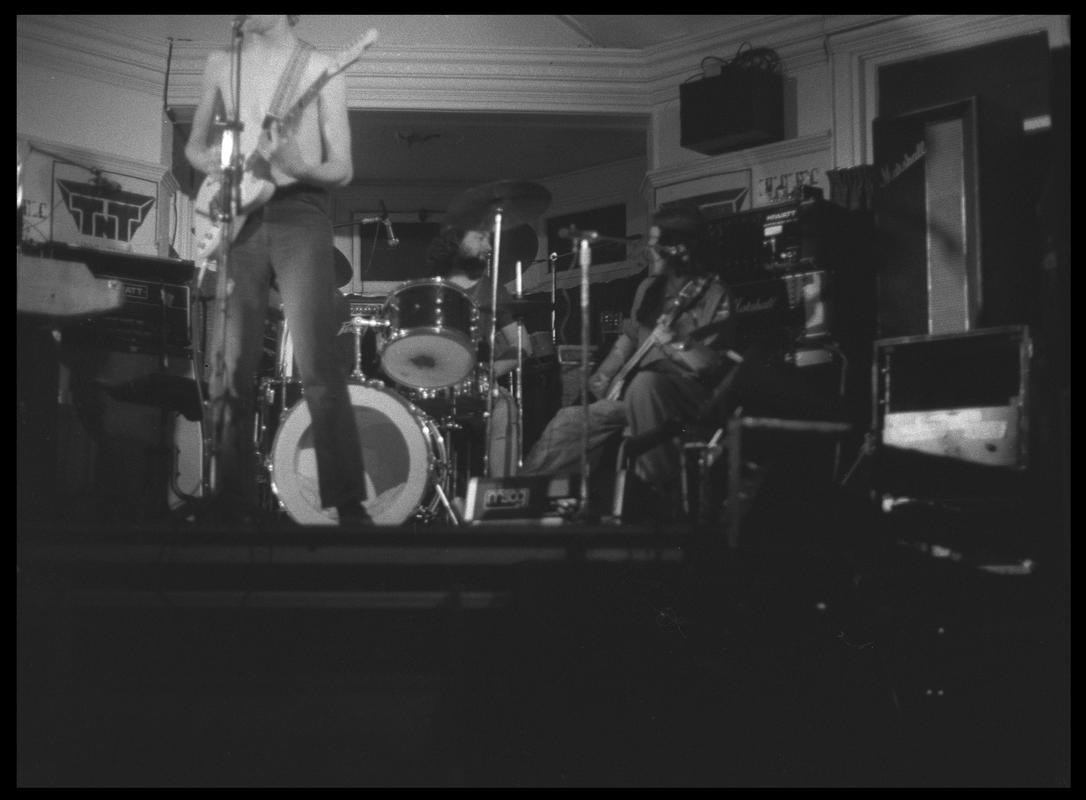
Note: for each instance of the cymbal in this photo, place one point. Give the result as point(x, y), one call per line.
point(519, 202)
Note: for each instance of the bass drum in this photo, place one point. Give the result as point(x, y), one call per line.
point(402, 452)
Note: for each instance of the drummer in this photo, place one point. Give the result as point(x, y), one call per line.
point(460, 256)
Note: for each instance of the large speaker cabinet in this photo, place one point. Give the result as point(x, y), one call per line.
point(950, 217)
point(952, 413)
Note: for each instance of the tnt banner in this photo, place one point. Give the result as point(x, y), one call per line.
point(85, 206)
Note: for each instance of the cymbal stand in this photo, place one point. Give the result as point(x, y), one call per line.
point(492, 385)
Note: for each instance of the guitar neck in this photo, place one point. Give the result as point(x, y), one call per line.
point(308, 96)
point(692, 289)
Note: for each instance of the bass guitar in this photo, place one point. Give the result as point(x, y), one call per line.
point(676, 306)
point(255, 185)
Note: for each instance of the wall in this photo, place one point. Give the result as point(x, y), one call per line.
point(67, 108)
point(108, 86)
point(830, 97)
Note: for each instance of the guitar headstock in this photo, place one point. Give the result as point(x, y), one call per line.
point(354, 52)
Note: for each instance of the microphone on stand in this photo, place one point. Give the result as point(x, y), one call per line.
point(392, 240)
point(573, 233)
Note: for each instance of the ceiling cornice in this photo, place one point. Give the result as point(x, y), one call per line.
point(81, 47)
point(575, 80)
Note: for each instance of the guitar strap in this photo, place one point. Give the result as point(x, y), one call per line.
point(288, 81)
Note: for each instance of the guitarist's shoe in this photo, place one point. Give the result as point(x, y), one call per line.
point(354, 516)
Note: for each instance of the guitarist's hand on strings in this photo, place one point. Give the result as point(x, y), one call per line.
point(282, 151)
point(209, 161)
point(662, 334)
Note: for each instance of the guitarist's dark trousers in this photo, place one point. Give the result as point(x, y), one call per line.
point(655, 395)
point(290, 238)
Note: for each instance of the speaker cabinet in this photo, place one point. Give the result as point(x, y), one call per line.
point(116, 446)
point(960, 396)
point(736, 109)
point(950, 219)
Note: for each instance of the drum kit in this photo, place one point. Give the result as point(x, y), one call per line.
point(432, 415)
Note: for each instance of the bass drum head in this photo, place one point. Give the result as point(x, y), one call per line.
point(398, 454)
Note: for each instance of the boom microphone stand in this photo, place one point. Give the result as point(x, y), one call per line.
point(229, 203)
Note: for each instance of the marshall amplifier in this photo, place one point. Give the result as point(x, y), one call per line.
point(783, 312)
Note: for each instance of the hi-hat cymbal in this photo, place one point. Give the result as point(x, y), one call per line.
point(520, 202)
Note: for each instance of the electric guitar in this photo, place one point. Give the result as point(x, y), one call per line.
point(675, 307)
point(255, 185)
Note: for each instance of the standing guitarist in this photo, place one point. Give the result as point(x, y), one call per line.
point(657, 370)
point(289, 236)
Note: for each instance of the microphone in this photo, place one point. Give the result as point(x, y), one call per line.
point(670, 250)
point(572, 233)
point(392, 240)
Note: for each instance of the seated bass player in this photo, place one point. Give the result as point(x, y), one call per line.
point(662, 368)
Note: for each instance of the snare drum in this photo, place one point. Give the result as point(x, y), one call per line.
point(402, 453)
point(432, 332)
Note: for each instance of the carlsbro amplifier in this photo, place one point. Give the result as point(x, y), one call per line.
point(155, 316)
point(525, 498)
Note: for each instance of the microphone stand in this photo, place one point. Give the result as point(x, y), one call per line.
point(553, 258)
point(492, 386)
point(520, 376)
point(230, 203)
point(585, 258)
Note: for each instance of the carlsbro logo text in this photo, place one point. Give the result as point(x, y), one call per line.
point(890, 174)
point(506, 498)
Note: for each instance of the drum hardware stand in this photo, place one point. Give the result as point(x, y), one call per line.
point(355, 326)
point(449, 510)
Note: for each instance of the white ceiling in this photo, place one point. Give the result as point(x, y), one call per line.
point(438, 148)
point(468, 148)
point(454, 31)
